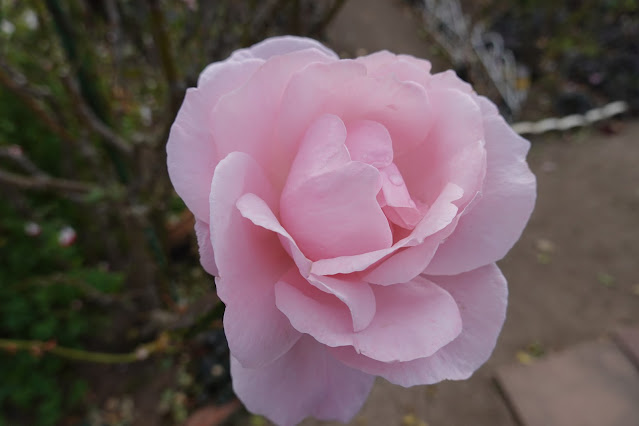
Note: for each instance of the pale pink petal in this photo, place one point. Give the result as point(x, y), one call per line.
point(394, 188)
point(244, 120)
point(370, 143)
point(250, 260)
point(443, 156)
point(412, 320)
point(312, 311)
point(207, 258)
point(488, 108)
point(482, 298)
point(422, 64)
point(397, 203)
point(376, 60)
point(342, 88)
point(495, 222)
point(191, 150)
point(215, 76)
point(439, 216)
point(321, 150)
point(409, 262)
point(306, 381)
point(304, 100)
point(406, 68)
point(449, 80)
point(355, 294)
point(336, 214)
point(329, 203)
point(280, 46)
point(257, 211)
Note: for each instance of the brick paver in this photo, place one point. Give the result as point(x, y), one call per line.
point(628, 341)
point(592, 384)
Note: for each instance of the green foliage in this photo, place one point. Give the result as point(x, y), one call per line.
point(38, 302)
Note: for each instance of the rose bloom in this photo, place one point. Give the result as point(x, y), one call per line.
point(352, 212)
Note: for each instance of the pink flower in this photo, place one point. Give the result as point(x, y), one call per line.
point(32, 229)
point(67, 236)
point(352, 211)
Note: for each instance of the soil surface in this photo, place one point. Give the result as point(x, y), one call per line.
point(572, 276)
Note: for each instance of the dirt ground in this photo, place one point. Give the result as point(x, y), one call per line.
point(572, 276)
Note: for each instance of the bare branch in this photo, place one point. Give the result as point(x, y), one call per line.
point(15, 154)
point(92, 120)
point(158, 29)
point(37, 347)
point(45, 183)
point(25, 92)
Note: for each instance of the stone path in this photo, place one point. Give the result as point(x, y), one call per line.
point(592, 384)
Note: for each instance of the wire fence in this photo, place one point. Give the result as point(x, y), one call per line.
point(485, 52)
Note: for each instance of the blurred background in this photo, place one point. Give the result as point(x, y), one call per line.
point(107, 318)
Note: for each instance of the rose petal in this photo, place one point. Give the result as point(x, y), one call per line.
point(207, 258)
point(257, 211)
point(343, 89)
point(281, 46)
point(508, 193)
point(482, 298)
point(376, 60)
point(191, 150)
point(369, 142)
point(412, 320)
point(314, 312)
point(250, 260)
point(321, 150)
point(304, 99)
point(356, 295)
point(442, 157)
point(328, 206)
point(306, 381)
point(394, 189)
point(244, 119)
point(439, 215)
point(409, 262)
point(406, 68)
point(449, 80)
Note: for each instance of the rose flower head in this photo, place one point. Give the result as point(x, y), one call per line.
point(352, 212)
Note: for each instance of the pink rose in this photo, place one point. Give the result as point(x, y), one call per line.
point(352, 211)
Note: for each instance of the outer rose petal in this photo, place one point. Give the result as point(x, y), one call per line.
point(191, 151)
point(412, 320)
point(250, 260)
point(451, 152)
point(496, 221)
point(207, 258)
point(244, 120)
point(481, 296)
point(342, 88)
point(281, 46)
point(306, 381)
